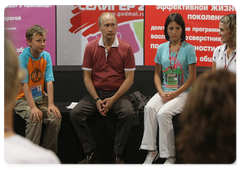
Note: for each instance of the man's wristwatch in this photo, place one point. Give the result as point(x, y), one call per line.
point(95, 100)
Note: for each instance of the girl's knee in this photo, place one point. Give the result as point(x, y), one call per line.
point(164, 114)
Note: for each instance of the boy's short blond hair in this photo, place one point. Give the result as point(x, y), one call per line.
point(38, 29)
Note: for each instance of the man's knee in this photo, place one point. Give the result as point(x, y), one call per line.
point(76, 115)
point(73, 115)
point(127, 113)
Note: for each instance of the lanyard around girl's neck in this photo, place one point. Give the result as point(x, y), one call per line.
point(226, 66)
point(170, 60)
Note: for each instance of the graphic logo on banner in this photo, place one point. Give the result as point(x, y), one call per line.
point(86, 19)
point(202, 28)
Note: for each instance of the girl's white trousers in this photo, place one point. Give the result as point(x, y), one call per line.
point(158, 114)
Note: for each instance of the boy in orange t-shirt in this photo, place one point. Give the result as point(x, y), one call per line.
point(33, 104)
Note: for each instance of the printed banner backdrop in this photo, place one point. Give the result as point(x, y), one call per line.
point(18, 18)
point(202, 28)
point(77, 25)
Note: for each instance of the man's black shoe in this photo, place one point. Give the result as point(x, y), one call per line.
point(90, 159)
point(119, 160)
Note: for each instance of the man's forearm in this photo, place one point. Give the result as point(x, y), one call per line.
point(125, 86)
point(89, 84)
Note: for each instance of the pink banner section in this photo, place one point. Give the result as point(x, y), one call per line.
point(18, 18)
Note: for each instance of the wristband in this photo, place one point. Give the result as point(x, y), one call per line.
point(95, 100)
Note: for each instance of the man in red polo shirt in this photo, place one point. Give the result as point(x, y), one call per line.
point(108, 72)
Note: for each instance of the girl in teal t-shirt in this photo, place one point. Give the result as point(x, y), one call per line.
point(176, 62)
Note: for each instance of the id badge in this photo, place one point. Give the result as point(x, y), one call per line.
point(36, 92)
point(172, 81)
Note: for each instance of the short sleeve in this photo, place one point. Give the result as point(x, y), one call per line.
point(216, 54)
point(191, 54)
point(48, 71)
point(158, 56)
point(129, 63)
point(87, 61)
point(23, 62)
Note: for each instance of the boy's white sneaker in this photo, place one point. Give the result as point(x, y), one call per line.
point(170, 160)
point(151, 157)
